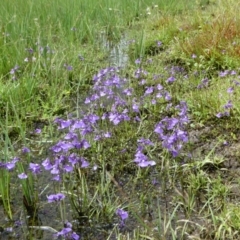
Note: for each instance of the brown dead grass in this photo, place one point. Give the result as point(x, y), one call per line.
point(214, 34)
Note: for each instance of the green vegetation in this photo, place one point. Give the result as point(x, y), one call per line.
point(148, 150)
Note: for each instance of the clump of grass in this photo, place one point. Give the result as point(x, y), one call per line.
point(215, 37)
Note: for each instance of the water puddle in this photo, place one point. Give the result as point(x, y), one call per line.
point(118, 51)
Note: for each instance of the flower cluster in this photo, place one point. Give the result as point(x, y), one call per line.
point(110, 93)
point(172, 130)
point(142, 159)
point(67, 232)
point(55, 197)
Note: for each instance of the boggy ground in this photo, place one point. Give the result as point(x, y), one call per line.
point(190, 195)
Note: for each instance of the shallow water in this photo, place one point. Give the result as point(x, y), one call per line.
point(118, 55)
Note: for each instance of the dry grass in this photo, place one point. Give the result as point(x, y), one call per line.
point(213, 34)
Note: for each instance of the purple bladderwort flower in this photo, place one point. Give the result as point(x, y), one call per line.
point(224, 73)
point(167, 96)
point(159, 43)
point(123, 215)
point(55, 170)
point(47, 164)
point(67, 168)
point(11, 165)
point(34, 168)
point(63, 123)
point(171, 79)
point(25, 150)
point(57, 178)
point(227, 108)
point(22, 176)
point(204, 83)
point(219, 115)
point(38, 130)
point(149, 90)
point(138, 61)
point(68, 67)
point(140, 73)
point(128, 91)
point(142, 160)
point(62, 146)
point(237, 83)
point(228, 105)
point(142, 82)
point(194, 56)
point(107, 135)
point(14, 70)
point(153, 101)
point(55, 197)
point(135, 107)
point(67, 232)
point(30, 50)
point(230, 90)
point(84, 163)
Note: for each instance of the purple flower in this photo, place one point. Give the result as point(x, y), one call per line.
point(68, 168)
point(237, 83)
point(128, 91)
point(63, 123)
point(194, 56)
point(56, 178)
point(167, 96)
point(35, 168)
point(171, 79)
point(159, 87)
point(122, 214)
point(224, 73)
point(38, 130)
point(22, 176)
point(204, 83)
point(67, 232)
point(228, 105)
point(25, 150)
point(230, 90)
point(138, 61)
point(62, 146)
point(10, 165)
point(14, 70)
point(159, 43)
point(55, 170)
point(219, 115)
point(85, 163)
point(47, 164)
point(142, 160)
point(55, 197)
point(68, 67)
point(148, 91)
